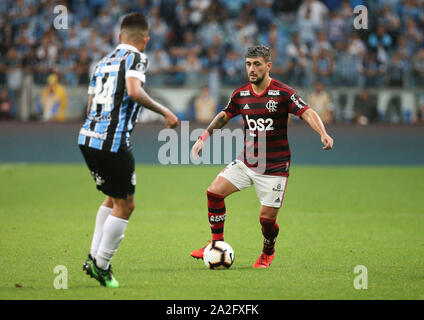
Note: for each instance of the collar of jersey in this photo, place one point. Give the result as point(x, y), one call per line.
point(263, 92)
point(127, 47)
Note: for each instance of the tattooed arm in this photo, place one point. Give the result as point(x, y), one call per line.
point(218, 122)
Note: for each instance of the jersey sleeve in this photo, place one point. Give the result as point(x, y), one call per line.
point(136, 66)
point(232, 109)
point(296, 105)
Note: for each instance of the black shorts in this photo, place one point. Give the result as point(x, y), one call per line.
point(113, 172)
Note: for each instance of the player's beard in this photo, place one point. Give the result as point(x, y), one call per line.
point(258, 80)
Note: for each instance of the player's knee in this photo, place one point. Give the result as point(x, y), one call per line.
point(130, 206)
point(268, 212)
point(211, 191)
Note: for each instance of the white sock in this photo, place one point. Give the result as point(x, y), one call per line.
point(102, 214)
point(113, 233)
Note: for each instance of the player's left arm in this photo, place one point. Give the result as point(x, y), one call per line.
point(138, 94)
point(313, 119)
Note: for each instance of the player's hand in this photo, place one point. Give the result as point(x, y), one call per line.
point(327, 141)
point(198, 146)
point(171, 120)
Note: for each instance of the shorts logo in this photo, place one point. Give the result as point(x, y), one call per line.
point(97, 178)
point(271, 105)
point(278, 188)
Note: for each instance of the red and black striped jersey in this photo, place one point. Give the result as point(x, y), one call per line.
point(266, 148)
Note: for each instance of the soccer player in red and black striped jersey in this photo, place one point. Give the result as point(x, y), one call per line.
point(264, 104)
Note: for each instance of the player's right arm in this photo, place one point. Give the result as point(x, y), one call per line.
point(136, 93)
point(218, 122)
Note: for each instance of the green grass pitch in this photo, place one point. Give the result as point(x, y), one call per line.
point(333, 219)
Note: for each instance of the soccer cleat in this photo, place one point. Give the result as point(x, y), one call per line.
point(264, 261)
point(105, 277)
point(198, 254)
point(89, 259)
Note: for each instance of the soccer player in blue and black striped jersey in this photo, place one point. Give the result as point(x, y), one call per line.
point(116, 96)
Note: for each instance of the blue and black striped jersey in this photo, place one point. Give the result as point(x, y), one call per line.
point(113, 114)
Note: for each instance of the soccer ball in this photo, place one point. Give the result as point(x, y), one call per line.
point(218, 255)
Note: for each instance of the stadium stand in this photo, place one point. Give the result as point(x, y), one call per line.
point(198, 43)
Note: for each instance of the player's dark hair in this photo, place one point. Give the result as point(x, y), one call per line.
point(259, 51)
point(135, 20)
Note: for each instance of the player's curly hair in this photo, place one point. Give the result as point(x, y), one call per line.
point(259, 51)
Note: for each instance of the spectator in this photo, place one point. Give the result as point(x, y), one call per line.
point(14, 74)
point(205, 106)
point(320, 101)
point(190, 43)
point(380, 42)
point(371, 72)
point(356, 46)
point(338, 28)
point(192, 67)
point(346, 10)
point(159, 64)
point(82, 67)
point(323, 66)
point(397, 71)
point(209, 30)
point(158, 30)
point(104, 22)
point(410, 10)
point(319, 11)
point(53, 100)
point(5, 106)
point(307, 29)
point(420, 117)
point(418, 68)
point(264, 14)
point(297, 65)
point(30, 61)
point(182, 30)
point(232, 68)
point(68, 68)
point(321, 43)
point(347, 66)
point(414, 37)
point(176, 71)
point(365, 108)
point(197, 11)
point(390, 20)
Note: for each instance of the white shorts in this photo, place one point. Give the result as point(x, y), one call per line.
point(270, 189)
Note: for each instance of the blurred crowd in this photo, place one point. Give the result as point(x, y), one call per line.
point(202, 42)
